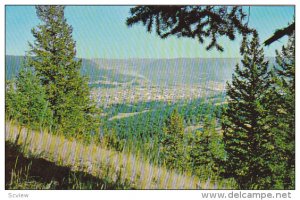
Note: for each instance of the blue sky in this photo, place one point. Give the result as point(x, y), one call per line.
point(100, 32)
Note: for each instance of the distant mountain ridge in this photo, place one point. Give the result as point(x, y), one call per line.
point(177, 71)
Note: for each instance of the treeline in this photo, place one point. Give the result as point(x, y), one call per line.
point(142, 132)
point(258, 122)
point(192, 152)
point(49, 91)
point(257, 144)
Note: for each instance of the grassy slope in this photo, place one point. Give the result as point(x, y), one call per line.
point(122, 168)
point(37, 173)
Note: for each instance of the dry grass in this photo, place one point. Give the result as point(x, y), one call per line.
point(100, 162)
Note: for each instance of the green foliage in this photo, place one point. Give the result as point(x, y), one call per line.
point(195, 153)
point(111, 140)
point(174, 124)
point(199, 22)
point(52, 56)
point(144, 133)
point(26, 100)
point(172, 140)
point(249, 144)
point(149, 125)
point(281, 116)
point(259, 123)
point(258, 145)
point(204, 148)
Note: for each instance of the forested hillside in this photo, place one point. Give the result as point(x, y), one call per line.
point(167, 123)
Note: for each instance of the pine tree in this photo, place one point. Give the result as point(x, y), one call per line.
point(172, 141)
point(199, 154)
point(279, 33)
point(248, 144)
point(205, 148)
point(52, 56)
point(281, 116)
point(197, 22)
point(26, 100)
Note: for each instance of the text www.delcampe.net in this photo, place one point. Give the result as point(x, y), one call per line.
point(246, 195)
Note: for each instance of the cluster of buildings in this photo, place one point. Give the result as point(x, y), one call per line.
point(144, 93)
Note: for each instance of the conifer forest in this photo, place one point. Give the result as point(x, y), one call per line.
point(150, 97)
